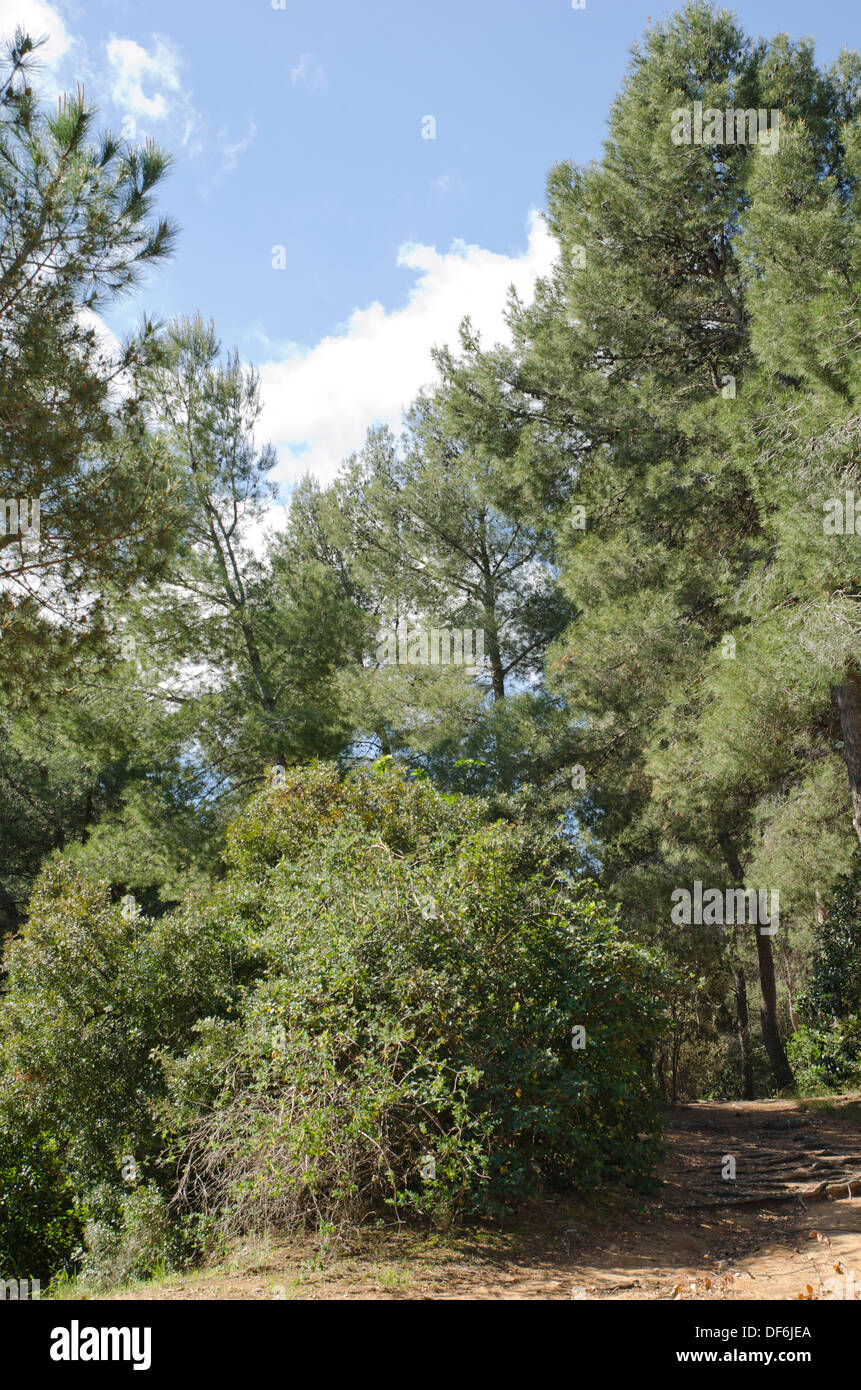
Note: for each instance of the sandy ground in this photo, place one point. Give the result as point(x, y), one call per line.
point(786, 1226)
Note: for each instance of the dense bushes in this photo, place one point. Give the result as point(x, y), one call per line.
point(93, 987)
point(826, 1050)
point(375, 1013)
point(423, 977)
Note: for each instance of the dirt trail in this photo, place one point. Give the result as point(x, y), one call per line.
point(788, 1225)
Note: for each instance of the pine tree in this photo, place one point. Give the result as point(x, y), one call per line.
point(629, 364)
point(84, 495)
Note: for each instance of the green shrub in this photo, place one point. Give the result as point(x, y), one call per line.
point(826, 1059)
point(826, 1051)
point(90, 994)
point(371, 1015)
point(128, 1236)
point(39, 1227)
point(424, 972)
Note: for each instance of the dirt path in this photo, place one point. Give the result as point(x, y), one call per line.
point(787, 1225)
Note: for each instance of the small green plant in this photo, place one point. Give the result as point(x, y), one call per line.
point(127, 1238)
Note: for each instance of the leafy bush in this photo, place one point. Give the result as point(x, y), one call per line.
point(372, 1014)
point(91, 991)
point(39, 1229)
point(409, 1044)
point(128, 1235)
point(826, 1051)
point(826, 1059)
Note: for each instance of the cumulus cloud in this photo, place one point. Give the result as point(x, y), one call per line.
point(318, 403)
point(310, 74)
point(39, 20)
point(61, 59)
point(134, 67)
point(142, 81)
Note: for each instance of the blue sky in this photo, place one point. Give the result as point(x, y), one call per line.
point(301, 127)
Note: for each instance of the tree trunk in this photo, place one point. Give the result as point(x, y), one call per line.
point(767, 985)
point(10, 919)
point(743, 1026)
point(848, 699)
point(659, 1068)
point(768, 1013)
point(494, 655)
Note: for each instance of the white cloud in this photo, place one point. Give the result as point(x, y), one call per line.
point(319, 402)
point(310, 74)
point(38, 19)
point(232, 150)
point(61, 61)
point(134, 67)
point(107, 341)
point(144, 82)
